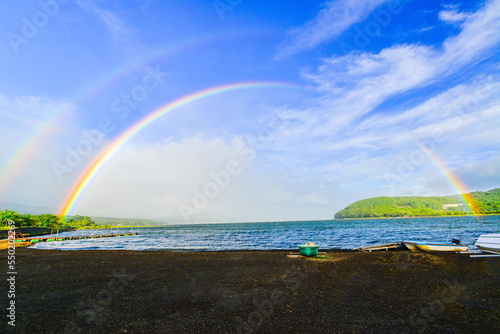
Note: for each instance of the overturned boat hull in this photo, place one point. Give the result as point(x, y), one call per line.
point(489, 243)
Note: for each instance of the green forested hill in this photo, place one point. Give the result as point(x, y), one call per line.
point(412, 206)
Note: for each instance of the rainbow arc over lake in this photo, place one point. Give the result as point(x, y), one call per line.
point(452, 179)
point(19, 156)
point(106, 154)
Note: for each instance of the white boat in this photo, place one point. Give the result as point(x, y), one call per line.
point(489, 243)
point(443, 247)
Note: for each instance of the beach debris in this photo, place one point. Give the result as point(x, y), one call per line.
point(485, 255)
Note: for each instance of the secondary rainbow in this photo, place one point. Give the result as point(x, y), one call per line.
point(14, 162)
point(452, 179)
point(18, 158)
point(121, 140)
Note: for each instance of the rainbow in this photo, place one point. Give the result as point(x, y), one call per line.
point(18, 157)
point(16, 160)
point(452, 179)
point(106, 154)
point(176, 47)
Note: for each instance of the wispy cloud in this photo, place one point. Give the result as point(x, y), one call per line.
point(356, 83)
point(352, 129)
point(22, 115)
point(336, 17)
point(480, 34)
point(117, 29)
point(452, 16)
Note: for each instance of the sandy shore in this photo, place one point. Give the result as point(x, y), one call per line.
point(253, 292)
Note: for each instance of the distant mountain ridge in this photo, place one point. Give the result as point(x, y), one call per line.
point(414, 206)
point(25, 209)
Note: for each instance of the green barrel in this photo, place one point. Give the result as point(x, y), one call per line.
point(34, 240)
point(19, 240)
point(48, 240)
point(308, 250)
point(60, 239)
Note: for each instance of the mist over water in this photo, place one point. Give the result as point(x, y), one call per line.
point(331, 234)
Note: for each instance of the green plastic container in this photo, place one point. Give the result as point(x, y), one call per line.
point(60, 239)
point(308, 250)
point(19, 240)
point(34, 240)
point(48, 240)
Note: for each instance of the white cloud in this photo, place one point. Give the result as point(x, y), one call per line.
point(358, 82)
point(479, 35)
point(322, 157)
point(336, 17)
point(156, 180)
point(361, 140)
point(452, 16)
point(28, 109)
point(483, 175)
point(28, 120)
point(455, 106)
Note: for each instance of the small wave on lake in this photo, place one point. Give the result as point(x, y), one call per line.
point(328, 234)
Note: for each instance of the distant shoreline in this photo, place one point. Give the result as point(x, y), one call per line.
point(442, 216)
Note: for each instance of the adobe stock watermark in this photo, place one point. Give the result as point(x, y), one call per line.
point(93, 138)
point(223, 6)
point(380, 19)
point(95, 308)
point(31, 25)
point(11, 273)
point(220, 180)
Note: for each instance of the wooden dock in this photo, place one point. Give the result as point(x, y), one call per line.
point(379, 247)
point(29, 241)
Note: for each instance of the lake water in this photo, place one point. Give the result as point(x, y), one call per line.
point(331, 234)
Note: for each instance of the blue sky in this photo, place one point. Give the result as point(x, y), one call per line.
point(367, 82)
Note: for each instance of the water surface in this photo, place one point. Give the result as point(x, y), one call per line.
point(338, 234)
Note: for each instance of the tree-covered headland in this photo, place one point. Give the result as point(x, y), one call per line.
point(76, 222)
point(48, 221)
point(478, 202)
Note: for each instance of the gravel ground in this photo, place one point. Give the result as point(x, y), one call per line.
point(252, 292)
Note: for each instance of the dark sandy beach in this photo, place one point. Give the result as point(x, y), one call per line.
point(253, 292)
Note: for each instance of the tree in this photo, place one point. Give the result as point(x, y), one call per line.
point(28, 220)
point(49, 220)
point(7, 215)
point(79, 221)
